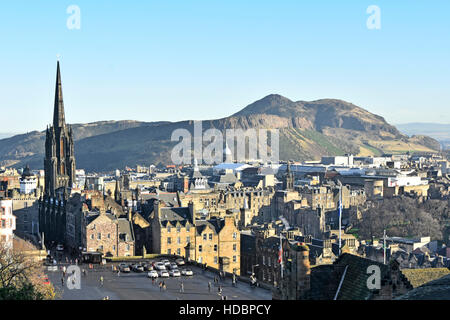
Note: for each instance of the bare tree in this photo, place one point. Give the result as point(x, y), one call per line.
point(22, 275)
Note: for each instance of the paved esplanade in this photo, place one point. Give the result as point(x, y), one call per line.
point(136, 286)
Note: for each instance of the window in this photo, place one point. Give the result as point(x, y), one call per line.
point(99, 236)
point(169, 251)
point(234, 247)
point(178, 240)
point(215, 247)
point(114, 248)
point(109, 235)
point(234, 259)
point(92, 236)
point(169, 240)
point(128, 247)
point(204, 236)
point(188, 239)
point(200, 248)
point(169, 229)
point(178, 229)
point(178, 251)
point(210, 236)
point(234, 235)
point(264, 260)
point(215, 260)
point(188, 228)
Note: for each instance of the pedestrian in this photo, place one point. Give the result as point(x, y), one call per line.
point(220, 290)
point(62, 281)
point(164, 285)
point(84, 272)
point(181, 287)
point(101, 281)
point(118, 272)
point(153, 281)
point(160, 286)
point(209, 286)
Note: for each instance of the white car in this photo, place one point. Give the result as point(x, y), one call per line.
point(166, 263)
point(163, 274)
point(174, 273)
point(187, 272)
point(179, 262)
point(160, 266)
point(124, 268)
point(152, 274)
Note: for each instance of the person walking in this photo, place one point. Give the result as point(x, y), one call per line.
point(84, 272)
point(62, 281)
point(209, 286)
point(220, 290)
point(160, 286)
point(164, 286)
point(181, 287)
point(101, 281)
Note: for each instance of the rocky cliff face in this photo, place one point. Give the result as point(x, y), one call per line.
point(308, 130)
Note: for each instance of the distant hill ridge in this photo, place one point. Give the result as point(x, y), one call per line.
point(308, 130)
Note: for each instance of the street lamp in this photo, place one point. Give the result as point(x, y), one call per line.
point(253, 268)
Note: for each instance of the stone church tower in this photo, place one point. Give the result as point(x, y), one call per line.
point(59, 163)
point(59, 167)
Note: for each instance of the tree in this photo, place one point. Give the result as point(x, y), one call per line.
point(21, 275)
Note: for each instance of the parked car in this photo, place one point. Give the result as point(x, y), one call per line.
point(163, 274)
point(166, 263)
point(123, 267)
point(173, 266)
point(160, 266)
point(180, 262)
point(138, 268)
point(147, 267)
point(187, 272)
point(152, 274)
point(174, 273)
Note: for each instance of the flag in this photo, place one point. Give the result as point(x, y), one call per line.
point(280, 253)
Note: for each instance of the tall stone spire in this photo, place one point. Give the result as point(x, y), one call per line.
point(58, 112)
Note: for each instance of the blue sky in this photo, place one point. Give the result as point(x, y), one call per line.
point(176, 60)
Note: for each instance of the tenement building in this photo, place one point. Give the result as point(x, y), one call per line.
point(59, 167)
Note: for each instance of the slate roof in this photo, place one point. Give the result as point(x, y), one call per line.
point(419, 277)
point(91, 216)
point(174, 214)
point(215, 224)
point(438, 289)
point(124, 226)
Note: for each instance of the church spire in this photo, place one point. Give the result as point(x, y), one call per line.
point(58, 113)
